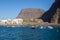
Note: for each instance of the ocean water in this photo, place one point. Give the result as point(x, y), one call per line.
point(28, 33)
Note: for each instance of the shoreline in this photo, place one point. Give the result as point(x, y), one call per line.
point(34, 25)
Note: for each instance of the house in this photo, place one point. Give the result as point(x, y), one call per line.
point(17, 21)
point(3, 22)
point(11, 22)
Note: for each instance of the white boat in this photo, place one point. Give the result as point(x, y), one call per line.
point(41, 27)
point(50, 27)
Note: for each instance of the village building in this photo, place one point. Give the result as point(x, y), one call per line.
point(11, 22)
point(3, 22)
point(17, 21)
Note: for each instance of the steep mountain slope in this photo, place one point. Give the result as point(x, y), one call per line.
point(51, 12)
point(30, 13)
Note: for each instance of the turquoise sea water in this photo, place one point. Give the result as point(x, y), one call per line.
point(29, 33)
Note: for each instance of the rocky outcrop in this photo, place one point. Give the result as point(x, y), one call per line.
point(51, 16)
point(48, 16)
point(56, 17)
point(30, 13)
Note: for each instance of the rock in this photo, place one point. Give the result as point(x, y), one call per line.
point(30, 13)
point(48, 16)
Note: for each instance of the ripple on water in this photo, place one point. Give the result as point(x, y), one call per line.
point(26, 33)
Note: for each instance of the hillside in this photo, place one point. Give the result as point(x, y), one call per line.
point(30, 13)
point(53, 14)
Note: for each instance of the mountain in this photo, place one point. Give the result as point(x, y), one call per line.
point(53, 14)
point(30, 13)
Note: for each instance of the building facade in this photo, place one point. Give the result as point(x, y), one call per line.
point(11, 22)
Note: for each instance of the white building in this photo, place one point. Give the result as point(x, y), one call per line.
point(17, 21)
point(11, 22)
point(3, 22)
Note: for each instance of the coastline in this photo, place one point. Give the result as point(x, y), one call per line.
point(50, 24)
point(19, 22)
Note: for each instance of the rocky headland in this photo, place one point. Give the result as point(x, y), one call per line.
point(53, 14)
point(41, 17)
point(36, 16)
point(30, 13)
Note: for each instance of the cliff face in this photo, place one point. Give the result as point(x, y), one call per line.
point(52, 15)
point(30, 13)
point(48, 16)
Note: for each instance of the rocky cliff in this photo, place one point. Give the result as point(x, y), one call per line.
point(51, 16)
point(48, 16)
point(30, 13)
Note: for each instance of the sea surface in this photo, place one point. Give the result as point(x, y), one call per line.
point(28, 32)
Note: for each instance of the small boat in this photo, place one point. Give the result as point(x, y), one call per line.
point(50, 27)
point(41, 27)
point(33, 27)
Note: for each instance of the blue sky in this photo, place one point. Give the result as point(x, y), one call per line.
point(11, 8)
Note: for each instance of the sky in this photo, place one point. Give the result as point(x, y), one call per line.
point(10, 9)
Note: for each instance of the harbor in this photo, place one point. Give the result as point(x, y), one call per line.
point(28, 33)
